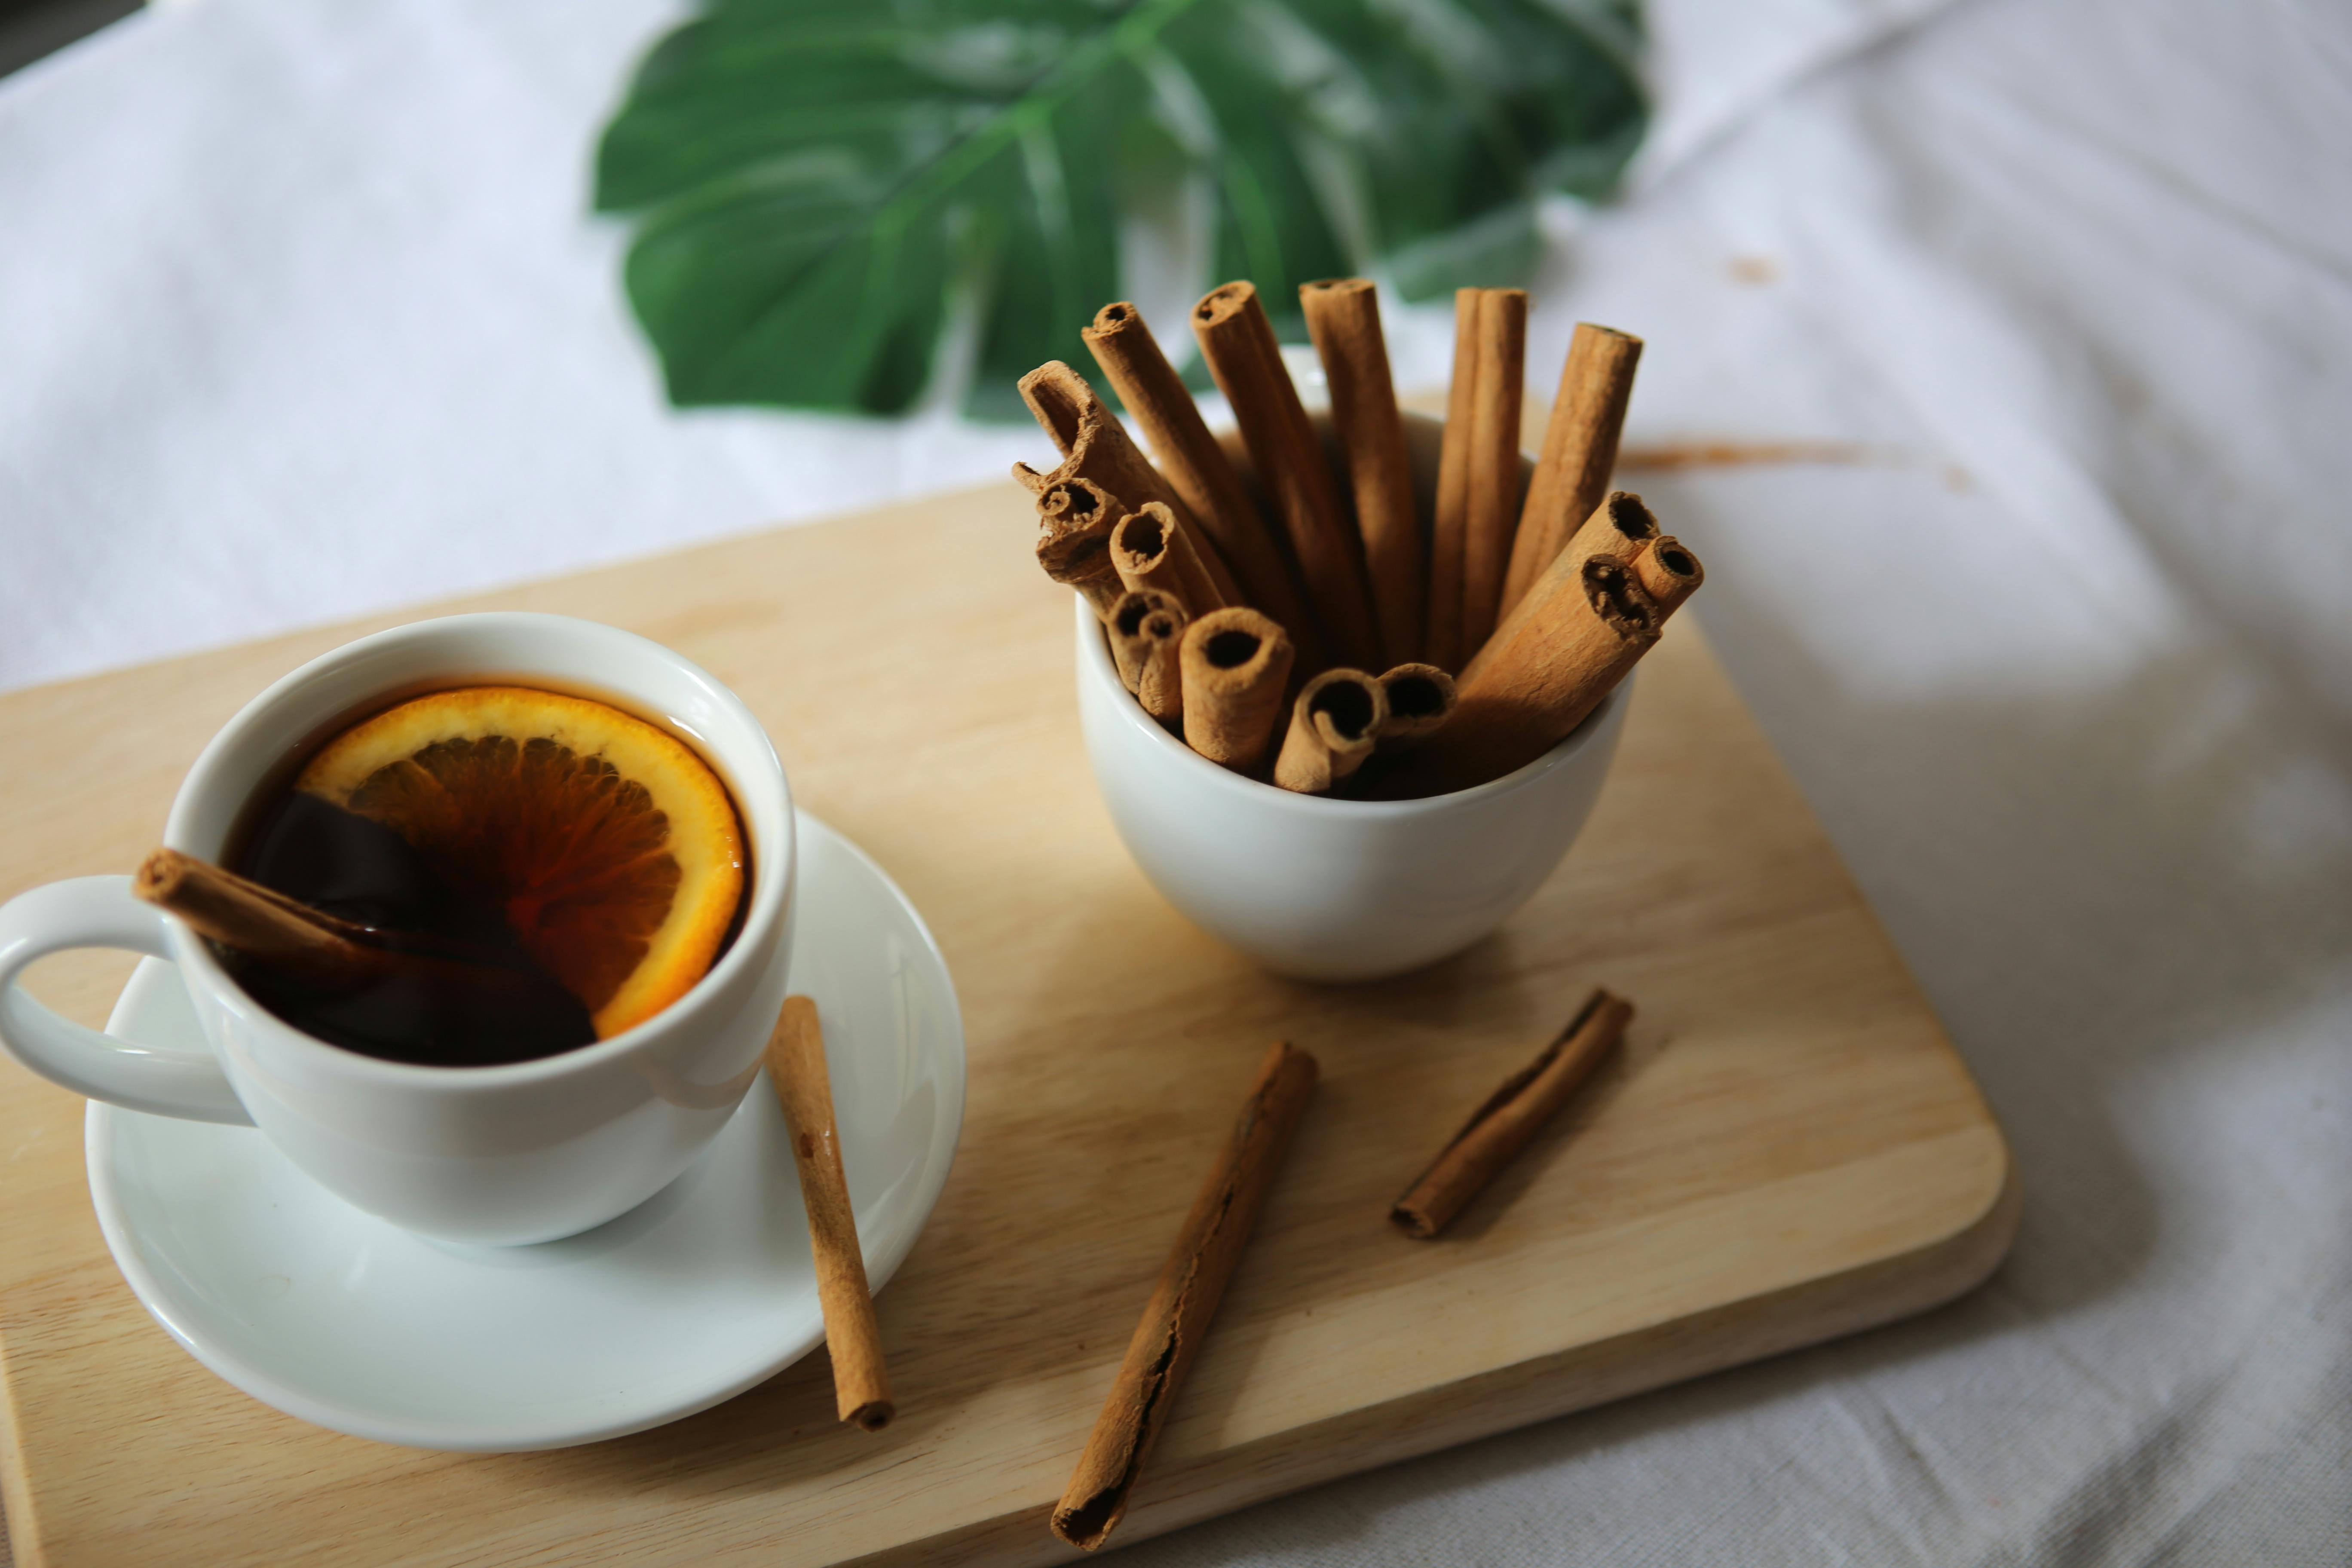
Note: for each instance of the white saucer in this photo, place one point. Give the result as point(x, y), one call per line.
point(343, 1319)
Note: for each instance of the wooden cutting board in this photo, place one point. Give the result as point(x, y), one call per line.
point(1788, 1149)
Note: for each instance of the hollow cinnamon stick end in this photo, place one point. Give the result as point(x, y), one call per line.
point(159, 876)
point(1083, 1526)
point(871, 1416)
point(1415, 1222)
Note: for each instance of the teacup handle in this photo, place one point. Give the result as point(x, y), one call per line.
point(98, 911)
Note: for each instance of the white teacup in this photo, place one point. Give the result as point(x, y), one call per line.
point(523, 1152)
point(1335, 890)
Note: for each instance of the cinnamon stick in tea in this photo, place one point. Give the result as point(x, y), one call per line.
point(1238, 342)
point(1512, 1115)
point(1580, 448)
point(1094, 445)
point(1450, 519)
point(1076, 516)
point(1184, 1301)
point(262, 924)
point(1147, 632)
point(258, 921)
point(1421, 700)
point(1151, 550)
point(853, 1337)
point(1491, 506)
point(1243, 555)
point(1237, 666)
point(1583, 626)
point(1343, 316)
point(1334, 723)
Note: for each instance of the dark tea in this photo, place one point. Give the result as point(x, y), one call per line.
point(546, 870)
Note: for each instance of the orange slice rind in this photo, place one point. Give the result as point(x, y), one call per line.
point(610, 846)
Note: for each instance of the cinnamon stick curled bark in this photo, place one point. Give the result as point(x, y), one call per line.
point(1512, 1115)
point(1168, 1340)
point(1094, 445)
point(1583, 626)
point(1334, 724)
point(1076, 516)
point(1238, 342)
point(1237, 666)
point(1421, 700)
point(1491, 507)
point(1580, 450)
point(1450, 519)
point(1241, 553)
point(1151, 550)
point(1147, 641)
point(853, 1336)
point(1343, 316)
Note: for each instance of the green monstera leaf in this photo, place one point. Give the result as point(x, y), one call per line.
point(821, 186)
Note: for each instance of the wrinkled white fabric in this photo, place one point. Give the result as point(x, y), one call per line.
point(298, 303)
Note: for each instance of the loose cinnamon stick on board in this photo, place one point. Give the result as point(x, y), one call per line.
point(1243, 555)
point(1567, 645)
point(1421, 700)
point(1580, 450)
point(1147, 633)
point(1237, 666)
point(1094, 445)
point(1334, 724)
point(1192, 1282)
point(1492, 509)
point(1076, 516)
point(1441, 626)
point(1511, 1116)
point(1343, 316)
point(1151, 549)
point(258, 921)
point(796, 1066)
point(1238, 342)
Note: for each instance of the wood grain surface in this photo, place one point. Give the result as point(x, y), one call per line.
point(1787, 1147)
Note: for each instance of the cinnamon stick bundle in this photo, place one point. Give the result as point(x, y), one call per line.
point(1175, 1321)
point(1151, 550)
point(1421, 698)
point(1491, 505)
point(1094, 445)
point(1567, 646)
point(1237, 666)
point(1076, 516)
point(1343, 316)
point(1239, 345)
point(1450, 519)
point(1241, 554)
point(1580, 450)
point(1335, 721)
point(1147, 632)
point(1512, 1115)
point(853, 1336)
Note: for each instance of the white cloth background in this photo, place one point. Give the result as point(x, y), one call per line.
point(300, 306)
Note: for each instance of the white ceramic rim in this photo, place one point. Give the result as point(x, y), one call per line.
point(883, 1260)
point(1097, 654)
point(769, 897)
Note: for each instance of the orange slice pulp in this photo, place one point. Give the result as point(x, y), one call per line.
point(611, 847)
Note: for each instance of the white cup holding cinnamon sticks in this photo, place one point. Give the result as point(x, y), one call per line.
point(1335, 890)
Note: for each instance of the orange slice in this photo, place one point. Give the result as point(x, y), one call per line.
point(611, 847)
